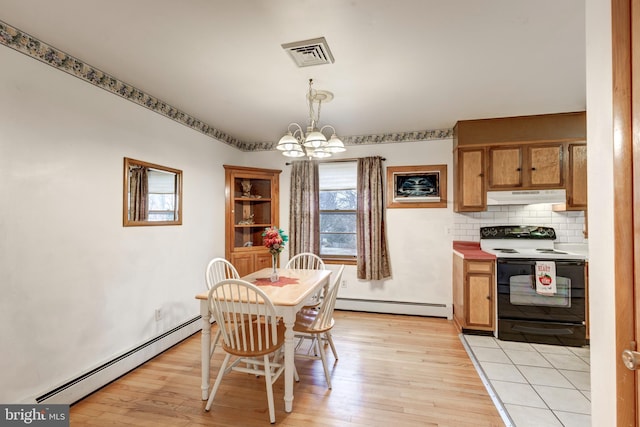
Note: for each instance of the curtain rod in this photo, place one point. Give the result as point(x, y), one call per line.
point(352, 159)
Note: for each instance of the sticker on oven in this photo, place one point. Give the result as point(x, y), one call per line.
point(546, 277)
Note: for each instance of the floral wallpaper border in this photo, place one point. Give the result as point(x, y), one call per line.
point(31, 46)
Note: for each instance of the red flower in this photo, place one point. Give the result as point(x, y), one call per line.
point(274, 239)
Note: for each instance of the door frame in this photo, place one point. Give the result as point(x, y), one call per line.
point(625, 130)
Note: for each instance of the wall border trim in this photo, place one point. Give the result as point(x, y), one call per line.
point(56, 58)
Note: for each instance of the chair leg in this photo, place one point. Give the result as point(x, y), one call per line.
point(323, 356)
point(218, 381)
point(333, 347)
point(214, 343)
point(268, 382)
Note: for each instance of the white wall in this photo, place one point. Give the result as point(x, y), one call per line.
point(78, 288)
point(419, 239)
point(601, 214)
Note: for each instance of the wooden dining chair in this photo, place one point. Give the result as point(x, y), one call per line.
point(308, 261)
point(218, 270)
point(252, 334)
point(314, 324)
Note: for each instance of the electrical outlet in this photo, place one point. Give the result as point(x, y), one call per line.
point(158, 314)
point(344, 283)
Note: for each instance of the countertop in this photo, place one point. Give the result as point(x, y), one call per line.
point(471, 250)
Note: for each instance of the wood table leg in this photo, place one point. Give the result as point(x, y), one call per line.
point(289, 366)
point(205, 345)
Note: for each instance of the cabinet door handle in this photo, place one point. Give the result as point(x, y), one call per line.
point(533, 169)
point(481, 175)
point(489, 297)
point(518, 169)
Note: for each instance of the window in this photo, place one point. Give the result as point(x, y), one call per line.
point(338, 206)
point(162, 195)
point(152, 194)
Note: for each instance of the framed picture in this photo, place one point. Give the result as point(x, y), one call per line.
point(417, 186)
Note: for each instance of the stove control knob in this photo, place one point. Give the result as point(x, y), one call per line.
point(487, 232)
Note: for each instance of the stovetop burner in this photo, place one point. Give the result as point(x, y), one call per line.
point(506, 250)
point(550, 251)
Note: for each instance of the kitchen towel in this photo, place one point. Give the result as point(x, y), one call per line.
point(545, 277)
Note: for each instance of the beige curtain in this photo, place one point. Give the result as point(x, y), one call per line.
point(373, 255)
point(139, 194)
point(304, 208)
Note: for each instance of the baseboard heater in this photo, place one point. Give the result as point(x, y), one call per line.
point(395, 307)
point(85, 384)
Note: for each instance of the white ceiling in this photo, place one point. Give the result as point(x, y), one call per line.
point(400, 65)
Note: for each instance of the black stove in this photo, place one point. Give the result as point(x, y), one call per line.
point(523, 313)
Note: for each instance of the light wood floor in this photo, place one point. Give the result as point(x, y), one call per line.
point(392, 371)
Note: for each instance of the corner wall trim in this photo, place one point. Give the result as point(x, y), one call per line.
point(37, 49)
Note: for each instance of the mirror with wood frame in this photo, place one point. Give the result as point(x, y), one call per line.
point(152, 194)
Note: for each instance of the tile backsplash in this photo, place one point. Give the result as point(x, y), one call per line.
point(569, 226)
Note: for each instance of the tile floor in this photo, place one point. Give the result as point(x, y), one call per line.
point(534, 384)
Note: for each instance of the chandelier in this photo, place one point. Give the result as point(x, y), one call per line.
point(313, 144)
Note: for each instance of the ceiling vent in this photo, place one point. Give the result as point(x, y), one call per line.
point(309, 52)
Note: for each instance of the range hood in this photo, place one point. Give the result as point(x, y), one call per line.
point(526, 197)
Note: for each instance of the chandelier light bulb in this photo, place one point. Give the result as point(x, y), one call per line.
point(334, 145)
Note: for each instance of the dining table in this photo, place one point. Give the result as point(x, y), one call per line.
point(289, 293)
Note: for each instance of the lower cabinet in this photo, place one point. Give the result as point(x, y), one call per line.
point(473, 294)
point(248, 262)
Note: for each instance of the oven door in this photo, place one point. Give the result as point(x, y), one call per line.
point(525, 315)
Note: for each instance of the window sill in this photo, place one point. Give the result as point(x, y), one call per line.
point(345, 261)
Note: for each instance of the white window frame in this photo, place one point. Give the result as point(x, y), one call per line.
point(348, 183)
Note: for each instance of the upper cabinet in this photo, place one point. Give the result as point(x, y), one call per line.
point(577, 177)
point(505, 167)
point(520, 153)
point(469, 166)
point(544, 166)
point(526, 166)
point(252, 204)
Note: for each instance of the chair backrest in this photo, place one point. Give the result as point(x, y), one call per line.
point(219, 269)
point(245, 315)
point(324, 318)
point(306, 261)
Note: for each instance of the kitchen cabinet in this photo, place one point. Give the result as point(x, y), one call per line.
point(544, 166)
point(252, 204)
point(577, 177)
point(526, 166)
point(545, 151)
point(505, 167)
point(469, 164)
point(473, 294)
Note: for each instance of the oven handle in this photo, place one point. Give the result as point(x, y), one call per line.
point(542, 331)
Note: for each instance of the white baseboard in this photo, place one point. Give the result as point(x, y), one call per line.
point(88, 382)
point(396, 307)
